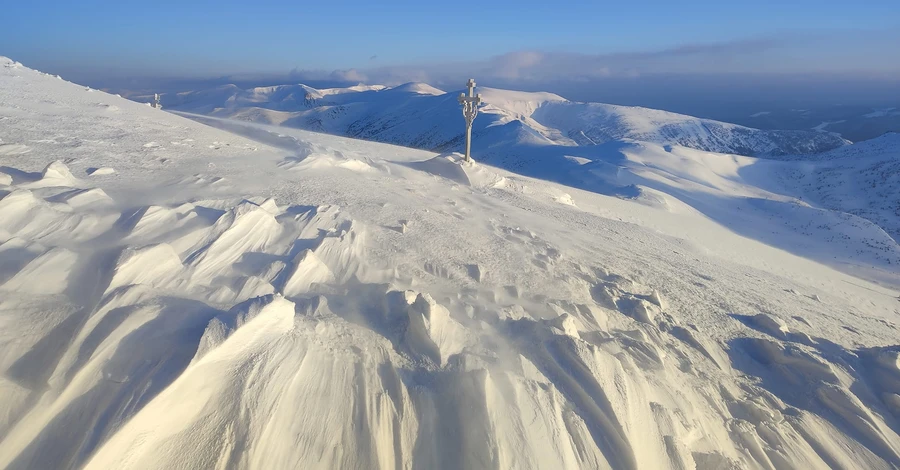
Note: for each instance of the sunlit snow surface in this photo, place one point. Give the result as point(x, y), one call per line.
point(178, 296)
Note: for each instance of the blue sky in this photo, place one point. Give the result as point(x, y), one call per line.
point(169, 38)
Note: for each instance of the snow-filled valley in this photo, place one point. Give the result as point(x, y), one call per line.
point(212, 293)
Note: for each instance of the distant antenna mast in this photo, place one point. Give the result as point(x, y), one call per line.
point(156, 103)
point(470, 110)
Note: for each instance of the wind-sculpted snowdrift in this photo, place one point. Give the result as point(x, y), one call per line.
point(354, 305)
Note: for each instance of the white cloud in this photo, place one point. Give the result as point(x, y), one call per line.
point(351, 75)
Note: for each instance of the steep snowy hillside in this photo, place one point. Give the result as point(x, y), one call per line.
point(421, 116)
point(177, 296)
point(862, 179)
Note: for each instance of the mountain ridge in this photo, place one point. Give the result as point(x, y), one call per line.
point(389, 114)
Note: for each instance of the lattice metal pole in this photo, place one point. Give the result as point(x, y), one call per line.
point(470, 110)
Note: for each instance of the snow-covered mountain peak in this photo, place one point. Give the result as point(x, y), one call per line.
point(508, 98)
point(322, 92)
point(418, 88)
point(516, 105)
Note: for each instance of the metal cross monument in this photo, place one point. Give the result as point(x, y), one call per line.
point(470, 110)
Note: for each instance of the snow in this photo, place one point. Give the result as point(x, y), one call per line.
point(245, 299)
point(821, 127)
point(421, 116)
point(884, 112)
point(104, 171)
point(418, 87)
point(862, 180)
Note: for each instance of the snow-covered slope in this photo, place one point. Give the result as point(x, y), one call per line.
point(177, 296)
point(421, 116)
point(862, 179)
point(539, 134)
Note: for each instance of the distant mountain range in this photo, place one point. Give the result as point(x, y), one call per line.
point(419, 115)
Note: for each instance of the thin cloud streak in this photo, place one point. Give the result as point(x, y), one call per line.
point(833, 52)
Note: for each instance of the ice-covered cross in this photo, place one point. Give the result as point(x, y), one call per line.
point(470, 110)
